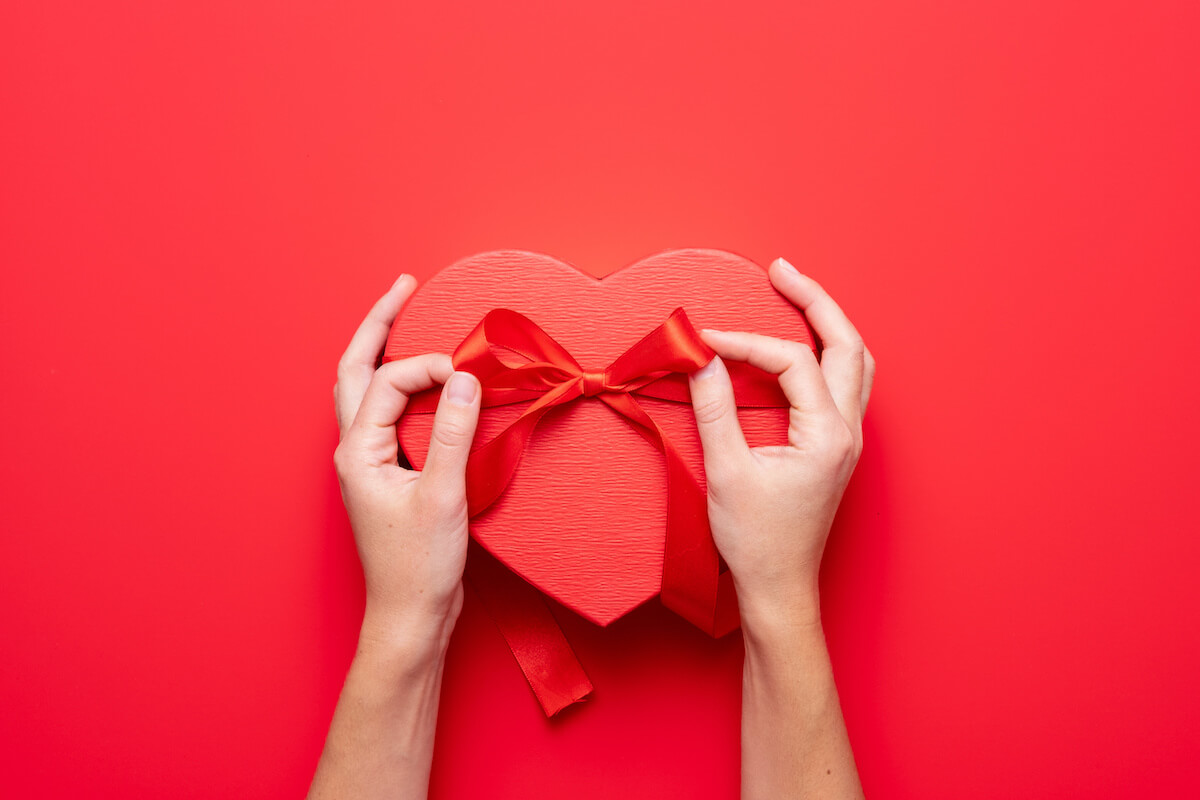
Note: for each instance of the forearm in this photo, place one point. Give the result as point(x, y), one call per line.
point(794, 741)
point(380, 743)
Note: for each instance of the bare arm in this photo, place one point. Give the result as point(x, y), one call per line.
point(771, 509)
point(411, 532)
point(380, 743)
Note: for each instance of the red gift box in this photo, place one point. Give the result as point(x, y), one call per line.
point(586, 476)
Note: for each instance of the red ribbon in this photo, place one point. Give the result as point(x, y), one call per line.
point(694, 585)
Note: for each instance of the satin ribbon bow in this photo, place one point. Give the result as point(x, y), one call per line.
point(657, 366)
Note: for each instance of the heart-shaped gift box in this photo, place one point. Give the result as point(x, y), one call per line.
point(584, 515)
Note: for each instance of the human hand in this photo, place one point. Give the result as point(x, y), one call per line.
point(771, 508)
point(410, 527)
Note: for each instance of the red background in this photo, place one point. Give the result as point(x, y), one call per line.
point(198, 204)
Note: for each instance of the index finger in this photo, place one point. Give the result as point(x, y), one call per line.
point(373, 432)
point(357, 364)
point(794, 363)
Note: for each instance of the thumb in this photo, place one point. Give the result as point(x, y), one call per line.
point(716, 416)
point(453, 431)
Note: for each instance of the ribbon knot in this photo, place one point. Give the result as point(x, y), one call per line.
point(593, 383)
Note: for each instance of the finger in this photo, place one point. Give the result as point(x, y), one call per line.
point(373, 432)
point(842, 359)
point(453, 431)
point(357, 365)
point(799, 374)
point(868, 378)
point(713, 403)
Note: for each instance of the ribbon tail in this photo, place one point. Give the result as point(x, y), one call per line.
point(491, 466)
point(693, 585)
point(691, 564)
point(531, 632)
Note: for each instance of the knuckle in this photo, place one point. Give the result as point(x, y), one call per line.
point(840, 443)
point(384, 371)
point(797, 350)
point(342, 460)
point(857, 349)
point(711, 410)
point(345, 369)
point(450, 432)
point(758, 350)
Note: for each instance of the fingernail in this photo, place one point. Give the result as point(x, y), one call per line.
point(396, 282)
point(461, 388)
point(708, 370)
point(783, 262)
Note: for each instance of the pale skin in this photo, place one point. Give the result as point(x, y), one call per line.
point(771, 509)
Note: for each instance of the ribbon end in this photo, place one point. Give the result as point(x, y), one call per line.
point(532, 633)
point(554, 702)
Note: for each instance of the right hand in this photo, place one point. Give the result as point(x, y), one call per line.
point(771, 508)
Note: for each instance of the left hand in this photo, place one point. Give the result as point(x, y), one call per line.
point(410, 527)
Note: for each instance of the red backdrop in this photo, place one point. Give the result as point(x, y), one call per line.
point(198, 203)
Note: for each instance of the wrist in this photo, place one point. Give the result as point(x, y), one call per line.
point(408, 637)
point(781, 615)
